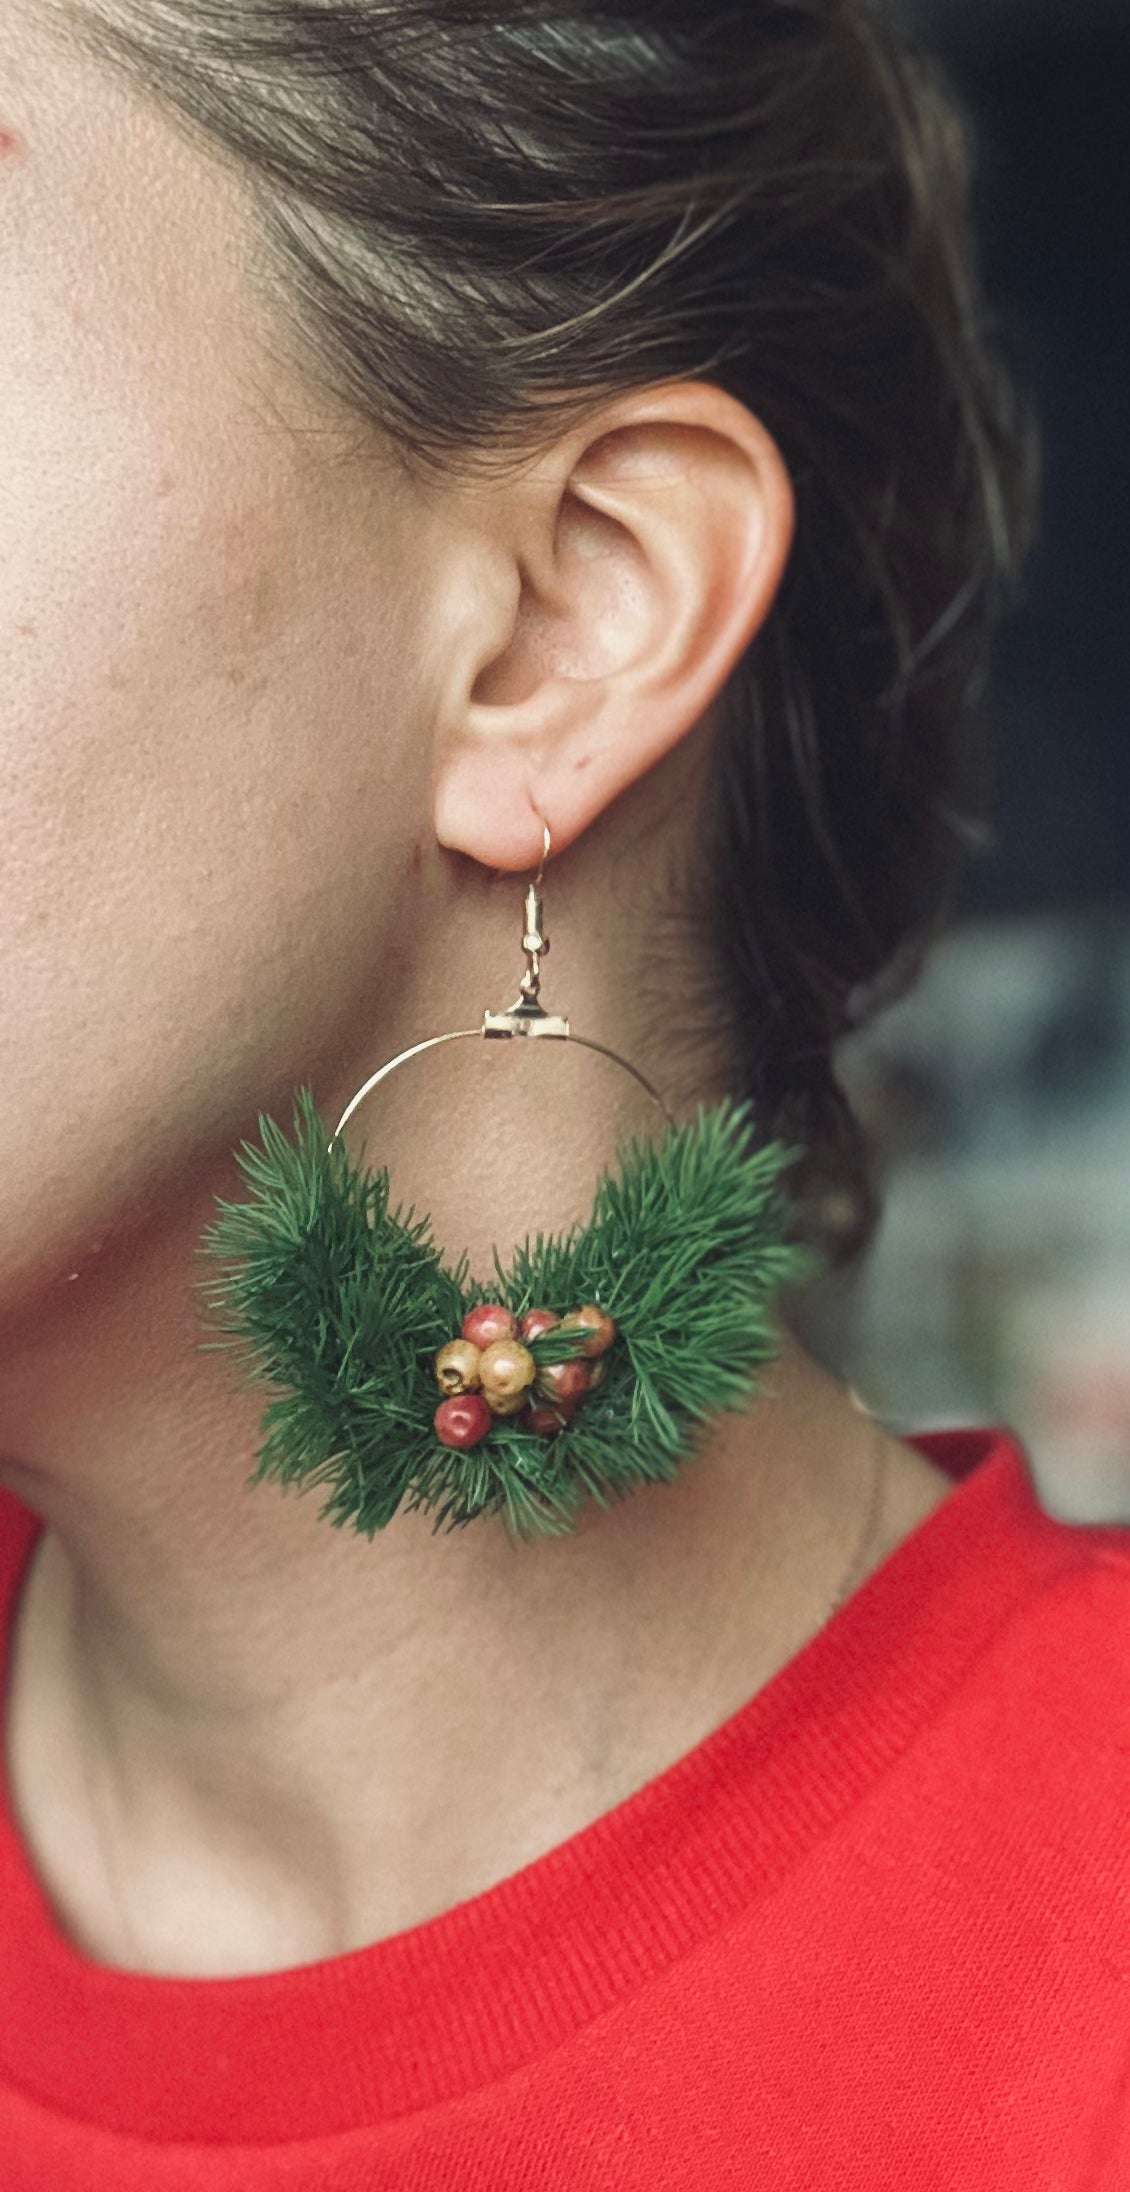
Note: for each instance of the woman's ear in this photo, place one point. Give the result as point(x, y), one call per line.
point(624, 575)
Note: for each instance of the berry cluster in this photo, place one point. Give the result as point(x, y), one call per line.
point(489, 1371)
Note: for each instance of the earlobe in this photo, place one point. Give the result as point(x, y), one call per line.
point(484, 806)
point(650, 555)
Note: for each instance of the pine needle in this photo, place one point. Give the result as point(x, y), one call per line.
point(338, 1304)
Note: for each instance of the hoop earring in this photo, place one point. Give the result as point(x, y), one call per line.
point(581, 1373)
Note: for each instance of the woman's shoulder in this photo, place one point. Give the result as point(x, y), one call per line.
point(1050, 1700)
point(1022, 1612)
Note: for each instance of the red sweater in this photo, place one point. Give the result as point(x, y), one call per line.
point(871, 1935)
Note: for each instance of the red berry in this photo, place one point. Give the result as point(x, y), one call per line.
point(547, 1421)
point(566, 1382)
point(537, 1321)
point(601, 1328)
point(489, 1322)
point(462, 1421)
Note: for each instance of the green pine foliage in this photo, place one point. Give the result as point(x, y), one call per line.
point(338, 1305)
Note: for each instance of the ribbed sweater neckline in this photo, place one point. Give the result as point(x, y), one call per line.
point(470, 1996)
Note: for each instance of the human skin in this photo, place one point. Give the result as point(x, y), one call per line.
point(279, 724)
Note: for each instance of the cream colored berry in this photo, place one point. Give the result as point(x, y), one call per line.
point(457, 1367)
point(506, 1369)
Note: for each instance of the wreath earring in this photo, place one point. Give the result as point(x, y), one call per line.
point(582, 1371)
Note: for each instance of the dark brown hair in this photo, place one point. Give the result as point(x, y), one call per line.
point(480, 216)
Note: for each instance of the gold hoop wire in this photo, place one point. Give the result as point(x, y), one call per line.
point(525, 1019)
point(460, 1035)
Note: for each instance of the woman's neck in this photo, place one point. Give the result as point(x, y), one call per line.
point(240, 1739)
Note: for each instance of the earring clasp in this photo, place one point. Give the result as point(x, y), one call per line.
point(527, 1015)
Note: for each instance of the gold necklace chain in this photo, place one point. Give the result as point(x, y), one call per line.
point(859, 1557)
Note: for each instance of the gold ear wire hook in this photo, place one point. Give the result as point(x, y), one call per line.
point(535, 943)
point(526, 1017)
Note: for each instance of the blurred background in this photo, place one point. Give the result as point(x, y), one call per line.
point(999, 1090)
